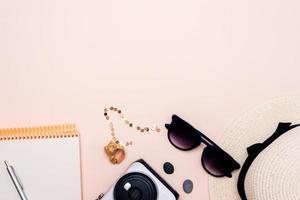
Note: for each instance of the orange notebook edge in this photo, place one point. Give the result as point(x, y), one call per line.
point(39, 132)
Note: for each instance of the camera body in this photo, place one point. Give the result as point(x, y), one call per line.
point(141, 182)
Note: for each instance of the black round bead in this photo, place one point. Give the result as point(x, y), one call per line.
point(168, 168)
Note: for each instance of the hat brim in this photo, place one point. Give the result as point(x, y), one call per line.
point(252, 127)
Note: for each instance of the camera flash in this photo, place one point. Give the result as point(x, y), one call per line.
point(127, 186)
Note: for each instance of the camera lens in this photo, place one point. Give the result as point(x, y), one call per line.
point(135, 186)
point(135, 194)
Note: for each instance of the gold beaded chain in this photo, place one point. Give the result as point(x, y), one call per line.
point(130, 124)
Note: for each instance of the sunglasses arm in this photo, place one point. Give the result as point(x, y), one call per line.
point(206, 140)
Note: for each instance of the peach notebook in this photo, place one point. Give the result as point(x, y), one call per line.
point(47, 160)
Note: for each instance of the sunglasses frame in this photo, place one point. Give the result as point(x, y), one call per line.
point(196, 133)
point(201, 138)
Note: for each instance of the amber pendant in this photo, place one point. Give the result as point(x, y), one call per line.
point(115, 152)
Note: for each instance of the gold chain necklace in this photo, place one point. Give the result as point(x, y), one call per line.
point(115, 149)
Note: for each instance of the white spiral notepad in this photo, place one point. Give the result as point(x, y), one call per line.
point(47, 160)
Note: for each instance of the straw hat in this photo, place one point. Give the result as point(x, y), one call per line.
point(275, 173)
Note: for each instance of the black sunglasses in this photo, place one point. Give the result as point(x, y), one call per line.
point(214, 160)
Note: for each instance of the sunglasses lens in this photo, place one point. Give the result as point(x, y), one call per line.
point(217, 162)
point(181, 139)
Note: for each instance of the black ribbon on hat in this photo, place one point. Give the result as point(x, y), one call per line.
point(255, 149)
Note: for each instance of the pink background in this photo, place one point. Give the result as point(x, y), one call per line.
point(208, 61)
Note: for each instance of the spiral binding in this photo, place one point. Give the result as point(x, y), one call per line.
point(39, 132)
